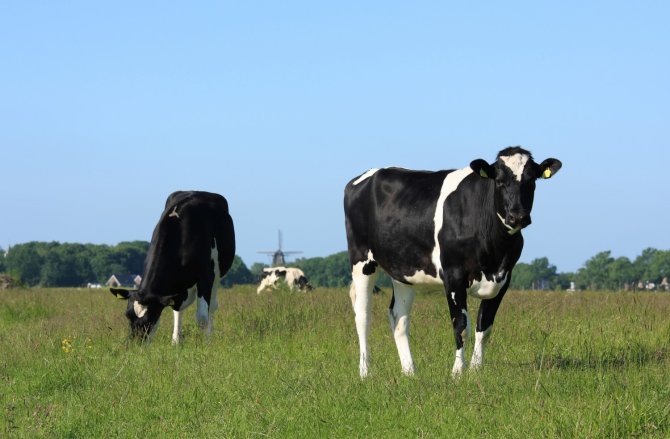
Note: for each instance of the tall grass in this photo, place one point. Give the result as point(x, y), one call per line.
point(286, 365)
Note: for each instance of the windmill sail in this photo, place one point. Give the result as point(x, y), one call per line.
point(279, 255)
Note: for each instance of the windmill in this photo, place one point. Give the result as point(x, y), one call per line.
point(279, 255)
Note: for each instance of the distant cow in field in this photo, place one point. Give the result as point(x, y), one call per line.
point(459, 229)
point(192, 247)
point(294, 278)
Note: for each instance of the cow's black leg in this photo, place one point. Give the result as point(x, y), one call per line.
point(487, 313)
point(458, 310)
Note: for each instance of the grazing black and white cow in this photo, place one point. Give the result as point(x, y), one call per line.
point(192, 247)
point(458, 228)
point(294, 277)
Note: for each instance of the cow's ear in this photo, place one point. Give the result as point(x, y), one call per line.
point(549, 167)
point(483, 169)
point(120, 293)
point(168, 300)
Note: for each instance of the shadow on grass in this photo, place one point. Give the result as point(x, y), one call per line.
point(635, 356)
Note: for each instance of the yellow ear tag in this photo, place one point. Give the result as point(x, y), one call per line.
point(483, 173)
point(547, 173)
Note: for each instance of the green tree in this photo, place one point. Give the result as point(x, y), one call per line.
point(101, 263)
point(522, 277)
point(643, 264)
point(332, 271)
point(594, 275)
point(257, 271)
point(539, 274)
point(2, 261)
point(130, 256)
point(659, 266)
point(24, 262)
point(238, 274)
point(620, 272)
point(563, 280)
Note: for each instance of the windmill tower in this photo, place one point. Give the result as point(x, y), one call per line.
point(279, 255)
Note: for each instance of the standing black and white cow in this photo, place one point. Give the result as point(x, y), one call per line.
point(458, 228)
point(192, 247)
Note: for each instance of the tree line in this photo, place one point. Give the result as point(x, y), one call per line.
point(601, 272)
point(52, 264)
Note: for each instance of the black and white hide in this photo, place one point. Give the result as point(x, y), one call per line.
point(459, 228)
point(192, 247)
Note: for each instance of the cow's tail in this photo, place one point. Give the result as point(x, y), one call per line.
point(225, 241)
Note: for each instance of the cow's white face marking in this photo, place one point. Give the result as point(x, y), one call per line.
point(511, 230)
point(449, 185)
point(486, 289)
point(139, 309)
point(516, 163)
point(365, 176)
point(420, 277)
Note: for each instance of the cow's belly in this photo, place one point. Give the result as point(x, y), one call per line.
point(486, 289)
point(421, 277)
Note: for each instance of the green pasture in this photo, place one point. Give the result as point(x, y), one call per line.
point(285, 365)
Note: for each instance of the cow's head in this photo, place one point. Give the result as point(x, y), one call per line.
point(303, 284)
point(143, 311)
point(514, 173)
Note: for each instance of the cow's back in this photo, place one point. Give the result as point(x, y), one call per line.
point(182, 242)
point(392, 212)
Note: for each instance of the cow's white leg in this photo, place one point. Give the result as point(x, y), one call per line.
point(352, 295)
point(202, 312)
point(213, 306)
point(481, 338)
point(264, 284)
point(362, 306)
point(487, 312)
point(459, 363)
point(176, 331)
point(399, 317)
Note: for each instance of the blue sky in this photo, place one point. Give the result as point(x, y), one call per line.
point(106, 108)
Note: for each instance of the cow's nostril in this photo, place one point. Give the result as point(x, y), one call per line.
point(517, 219)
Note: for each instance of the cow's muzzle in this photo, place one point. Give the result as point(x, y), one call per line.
point(513, 225)
point(517, 220)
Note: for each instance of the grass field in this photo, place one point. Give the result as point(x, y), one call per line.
point(286, 365)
